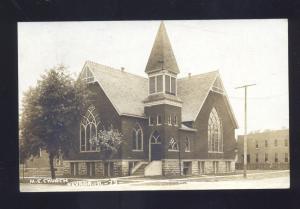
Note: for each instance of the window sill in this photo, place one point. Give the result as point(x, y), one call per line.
point(215, 152)
point(169, 150)
point(137, 150)
point(186, 151)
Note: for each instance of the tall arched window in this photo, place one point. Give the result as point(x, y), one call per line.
point(187, 144)
point(215, 132)
point(173, 145)
point(155, 138)
point(88, 130)
point(137, 137)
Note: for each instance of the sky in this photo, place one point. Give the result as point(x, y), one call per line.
point(244, 52)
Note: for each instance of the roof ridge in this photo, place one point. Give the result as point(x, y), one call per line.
point(198, 75)
point(114, 69)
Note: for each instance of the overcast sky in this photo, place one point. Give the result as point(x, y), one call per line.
point(244, 51)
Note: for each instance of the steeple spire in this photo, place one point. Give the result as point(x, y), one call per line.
point(162, 57)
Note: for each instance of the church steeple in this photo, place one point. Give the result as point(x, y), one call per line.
point(162, 56)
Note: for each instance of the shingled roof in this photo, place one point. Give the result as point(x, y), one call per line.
point(162, 56)
point(127, 91)
point(193, 91)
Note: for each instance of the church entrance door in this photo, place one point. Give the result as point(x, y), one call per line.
point(155, 147)
point(155, 151)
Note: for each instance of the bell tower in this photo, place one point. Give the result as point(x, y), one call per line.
point(162, 69)
point(162, 106)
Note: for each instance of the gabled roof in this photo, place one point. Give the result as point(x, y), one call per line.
point(162, 56)
point(127, 91)
point(193, 92)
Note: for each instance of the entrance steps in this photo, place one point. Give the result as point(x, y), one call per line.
point(154, 168)
point(140, 171)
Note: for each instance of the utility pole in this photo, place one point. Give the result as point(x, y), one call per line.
point(245, 128)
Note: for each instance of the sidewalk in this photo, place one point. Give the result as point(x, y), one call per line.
point(258, 180)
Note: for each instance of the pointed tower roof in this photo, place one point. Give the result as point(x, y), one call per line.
point(162, 56)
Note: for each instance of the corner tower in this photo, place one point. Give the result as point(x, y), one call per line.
point(162, 106)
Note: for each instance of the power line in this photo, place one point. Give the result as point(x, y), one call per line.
point(263, 97)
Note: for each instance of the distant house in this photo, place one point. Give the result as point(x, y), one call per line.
point(170, 125)
point(265, 150)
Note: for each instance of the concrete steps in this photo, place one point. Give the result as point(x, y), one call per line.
point(140, 171)
point(154, 168)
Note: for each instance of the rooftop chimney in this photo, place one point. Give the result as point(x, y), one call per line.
point(190, 74)
point(122, 69)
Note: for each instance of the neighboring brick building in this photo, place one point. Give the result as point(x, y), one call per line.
point(266, 150)
point(170, 125)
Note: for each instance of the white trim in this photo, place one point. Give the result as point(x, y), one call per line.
point(189, 129)
point(131, 115)
point(164, 101)
point(158, 124)
point(164, 86)
point(175, 121)
point(161, 72)
point(89, 151)
point(214, 152)
point(149, 121)
point(228, 105)
point(169, 120)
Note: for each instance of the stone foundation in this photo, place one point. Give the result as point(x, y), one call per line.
point(171, 167)
point(121, 168)
point(99, 169)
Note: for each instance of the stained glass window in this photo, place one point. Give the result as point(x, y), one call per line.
point(215, 132)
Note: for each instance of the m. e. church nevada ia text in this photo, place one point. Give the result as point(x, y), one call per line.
point(170, 126)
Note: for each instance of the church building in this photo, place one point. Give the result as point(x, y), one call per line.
point(169, 125)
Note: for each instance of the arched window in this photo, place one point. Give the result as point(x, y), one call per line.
point(173, 145)
point(137, 137)
point(187, 145)
point(155, 138)
point(88, 130)
point(215, 132)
